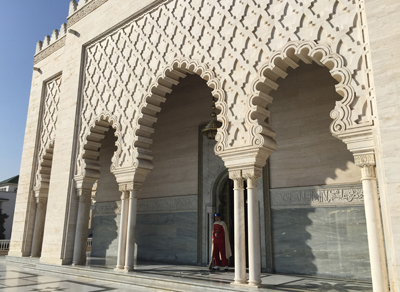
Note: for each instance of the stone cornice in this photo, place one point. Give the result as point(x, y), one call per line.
point(318, 196)
point(49, 50)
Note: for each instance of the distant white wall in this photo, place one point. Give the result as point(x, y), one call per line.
point(8, 208)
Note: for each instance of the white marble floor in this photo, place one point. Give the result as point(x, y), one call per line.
point(23, 277)
point(16, 279)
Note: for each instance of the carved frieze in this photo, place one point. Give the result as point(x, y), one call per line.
point(317, 196)
point(49, 50)
point(158, 205)
point(84, 11)
point(170, 204)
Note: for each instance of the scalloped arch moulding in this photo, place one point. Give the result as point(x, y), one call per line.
point(143, 125)
point(290, 56)
point(261, 136)
point(88, 169)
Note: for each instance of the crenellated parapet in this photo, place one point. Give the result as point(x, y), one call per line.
point(50, 44)
point(77, 11)
point(49, 40)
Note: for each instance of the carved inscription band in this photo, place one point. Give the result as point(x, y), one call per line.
point(317, 196)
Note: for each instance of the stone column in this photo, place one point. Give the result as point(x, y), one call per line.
point(366, 162)
point(38, 229)
point(240, 248)
point(251, 175)
point(122, 229)
point(82, 223)
point(130, 244)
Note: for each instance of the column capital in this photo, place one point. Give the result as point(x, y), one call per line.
point(252, 173)
point(40, 200)
point(83, 192)
point(235, 174)
point(127, 187)
point(364, 159)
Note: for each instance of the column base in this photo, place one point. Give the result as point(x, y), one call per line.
point(254, 284)
point(128, 269)
point(239, 283)
point(119, 268)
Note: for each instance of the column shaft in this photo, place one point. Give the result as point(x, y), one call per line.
point(375, 236)
point(240, 248)
point(38, 229)
point(376, 244)
point(82, 222)
point(122, 231)
point(130, 245)
point(253, 233)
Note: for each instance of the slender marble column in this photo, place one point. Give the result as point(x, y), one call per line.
point(373, 220)
point(38, 229)
point(130, 245)
point(82, 223)
point(240, 248)
point(253, 226)
point(122, 230)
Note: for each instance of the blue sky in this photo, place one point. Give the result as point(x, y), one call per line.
point(22, 24)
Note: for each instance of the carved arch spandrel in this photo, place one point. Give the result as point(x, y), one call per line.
point(155, 96)
point(88, 155)
point(290, 56)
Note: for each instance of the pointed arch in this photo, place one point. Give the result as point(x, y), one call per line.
point(290, 56)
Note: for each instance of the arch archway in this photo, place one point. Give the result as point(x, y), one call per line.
point(290, 56)
point(88, 172)
point(156, 95)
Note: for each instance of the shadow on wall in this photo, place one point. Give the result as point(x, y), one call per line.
point(105, 232)
point(319, 239)
point(292, 253)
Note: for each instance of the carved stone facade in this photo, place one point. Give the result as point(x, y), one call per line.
point(115, 65)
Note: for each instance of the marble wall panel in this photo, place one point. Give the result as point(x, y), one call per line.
point(167, 237)
point(323, 241)
point(105, 236)
point(166, 234)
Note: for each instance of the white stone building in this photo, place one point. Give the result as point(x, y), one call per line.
point(308, 100)
point(8, 192)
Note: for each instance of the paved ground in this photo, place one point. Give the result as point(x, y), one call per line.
point(23, 277)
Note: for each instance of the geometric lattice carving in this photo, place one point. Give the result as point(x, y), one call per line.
point(47, 131)
point(239, 42)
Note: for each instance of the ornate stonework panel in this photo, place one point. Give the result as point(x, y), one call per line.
point(317, 196)
point(125, 72)
point(47, 130)
point(171, 204)
point(159, 205)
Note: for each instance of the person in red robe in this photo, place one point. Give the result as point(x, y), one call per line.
point(221, 245)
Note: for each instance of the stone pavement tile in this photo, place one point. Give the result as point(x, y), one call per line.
point(278, 279)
